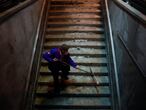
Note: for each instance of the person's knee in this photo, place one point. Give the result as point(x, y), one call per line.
point(66, 68)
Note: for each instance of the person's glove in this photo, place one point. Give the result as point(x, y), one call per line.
point(77, 67)
point(55, 59)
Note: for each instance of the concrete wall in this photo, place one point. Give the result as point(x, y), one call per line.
point(132, 32)
point(17, 36)
point(131, 80)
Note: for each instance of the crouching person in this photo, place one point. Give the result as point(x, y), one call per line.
point(59, 60)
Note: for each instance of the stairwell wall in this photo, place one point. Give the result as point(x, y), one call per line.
point(129, 34)
point(17, 35)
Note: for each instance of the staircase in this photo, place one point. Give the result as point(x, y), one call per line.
point(78, 23)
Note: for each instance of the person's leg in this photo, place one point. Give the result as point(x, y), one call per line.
point(56, 83)
point(55, 73)
point(64, 75)
point(65, 71)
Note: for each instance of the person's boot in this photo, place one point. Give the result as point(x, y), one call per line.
point(66, 77)
point(63, 83)
point(56, 91)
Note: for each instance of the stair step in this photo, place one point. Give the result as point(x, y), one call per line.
point(75, 107)
point(75, 74)
point(56, 38)
point(75, 36)
point(97, 55)
point(73, 102)
point(77, 79)
point(75, 29)
point(76, 43)
point(76, 46)
point(86, 52)
point(75, 11)
point(70, 109)
point(95, 69)
point(76, 16)
point(58, 6)
point(75, 84)
point(75, 22)
point(72, 95)
point(77, 0)
point(84, 60)
point(87, 90)
point(66, 2)
point(85, 64)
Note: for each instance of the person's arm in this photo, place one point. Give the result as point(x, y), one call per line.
point(71, 62)
point(47, 56)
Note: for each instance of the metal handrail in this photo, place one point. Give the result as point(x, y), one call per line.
point(113, 60)
point(35, 59)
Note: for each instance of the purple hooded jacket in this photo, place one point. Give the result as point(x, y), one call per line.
point(55, 53)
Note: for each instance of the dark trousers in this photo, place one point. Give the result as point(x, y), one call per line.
point(55, 67)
